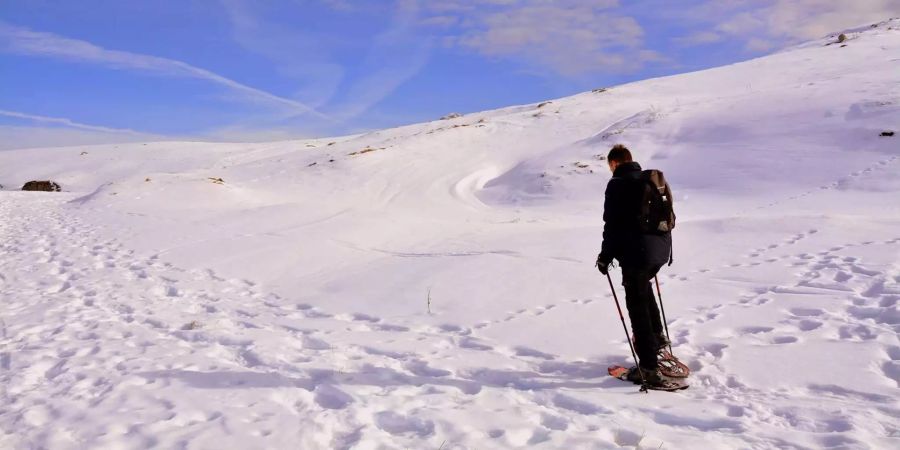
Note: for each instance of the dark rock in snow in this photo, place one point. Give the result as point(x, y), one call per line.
point(46, 186)
point(886, 133)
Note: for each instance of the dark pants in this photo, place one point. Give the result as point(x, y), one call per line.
point(643, 312)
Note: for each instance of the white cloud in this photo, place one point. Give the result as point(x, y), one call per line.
point(440, 21)
point(568, 37)
point(24, 41)
point(758, 45)
point(699, 38)
point(765, 24)
point(810, 19)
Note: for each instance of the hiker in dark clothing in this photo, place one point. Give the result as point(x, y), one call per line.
point(640, 256)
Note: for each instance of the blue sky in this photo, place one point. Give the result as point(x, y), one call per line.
point(94, 71)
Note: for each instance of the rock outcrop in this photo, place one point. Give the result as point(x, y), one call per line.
point(46, 186)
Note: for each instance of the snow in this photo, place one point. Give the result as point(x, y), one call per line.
point(436, 289)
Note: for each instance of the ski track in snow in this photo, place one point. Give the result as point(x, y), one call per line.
point(110, 329)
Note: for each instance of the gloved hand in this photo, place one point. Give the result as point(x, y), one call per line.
point(603, 265)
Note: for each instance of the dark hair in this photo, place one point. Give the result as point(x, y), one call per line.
point(619, 153)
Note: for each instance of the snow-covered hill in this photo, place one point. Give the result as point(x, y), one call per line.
point(432, 286)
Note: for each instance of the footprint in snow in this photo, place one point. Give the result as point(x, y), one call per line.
point(422, 369)
point(496, 433)
point(530, 352)
point(755, 330)
point(696, 423)
point(314, 314)
point(784, 340)
point(330, 397)
point(451, 328)
point(716, 350)
point(580, 406)
point(808, 325)
point(390, 328)
point(398, 424)
point(365, 318)
point(856, 333)
point(553, 422)
point(806, 312)
point(311, 343)
point(474, 344)
point(627, 438)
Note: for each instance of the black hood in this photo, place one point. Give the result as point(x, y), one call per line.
point(627, 168)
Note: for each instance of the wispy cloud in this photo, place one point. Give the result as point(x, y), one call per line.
point(298, 54)
point(44, 131)
point(13, 137)
point(391, 57)
point(68, 123)
point(20, 40)
point(395, 55)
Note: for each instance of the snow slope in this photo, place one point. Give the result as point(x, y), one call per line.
point(432, 286)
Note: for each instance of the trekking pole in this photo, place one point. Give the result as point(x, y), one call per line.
point(663, 310)
point(627, 337)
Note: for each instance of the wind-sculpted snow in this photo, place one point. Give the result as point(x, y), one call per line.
point(432, 286)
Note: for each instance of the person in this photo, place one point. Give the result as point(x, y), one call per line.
point(640, 257)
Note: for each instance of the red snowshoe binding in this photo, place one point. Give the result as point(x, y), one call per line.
point(669, 365)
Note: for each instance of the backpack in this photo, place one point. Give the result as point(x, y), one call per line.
point(657, 215)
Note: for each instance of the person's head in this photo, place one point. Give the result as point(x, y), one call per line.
point(617, 155)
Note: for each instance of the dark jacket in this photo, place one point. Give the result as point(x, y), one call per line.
point(622, 236)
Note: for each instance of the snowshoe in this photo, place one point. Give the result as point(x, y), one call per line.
point(671, 366)
point(653, 380)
